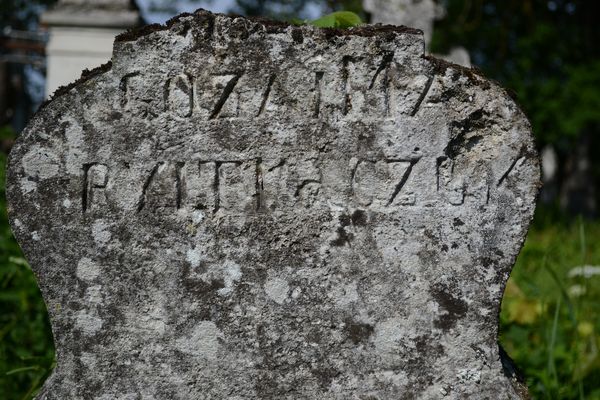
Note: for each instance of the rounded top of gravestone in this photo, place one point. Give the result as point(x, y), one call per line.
point(245, 209)
point(96, 13)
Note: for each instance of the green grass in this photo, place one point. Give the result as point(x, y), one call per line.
point(26, 347)
point(550, 322)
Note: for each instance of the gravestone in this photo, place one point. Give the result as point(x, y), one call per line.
point(242, 209)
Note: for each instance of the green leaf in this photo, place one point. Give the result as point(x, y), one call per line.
point(18, 261)
point(298, 21)
point(24, 369)
point(339, 19)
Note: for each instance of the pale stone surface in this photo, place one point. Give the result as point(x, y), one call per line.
point(239, 210)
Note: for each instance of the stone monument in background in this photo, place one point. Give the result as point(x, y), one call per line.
point(81, 36)
point(419, 14)
point(236, 209)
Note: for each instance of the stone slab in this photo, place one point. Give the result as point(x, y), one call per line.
point(237, 209)
point(116, 14)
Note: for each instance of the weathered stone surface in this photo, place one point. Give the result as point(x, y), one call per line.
point(239, 210)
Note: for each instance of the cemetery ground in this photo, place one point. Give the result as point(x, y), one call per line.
point(550, 319)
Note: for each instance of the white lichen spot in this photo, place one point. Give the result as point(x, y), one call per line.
point(35, 236)
point(123, 396)
point(152, 323)
point(396, 378)
point(484, 311)
point(27, 186)
point(197, 216)
point(348, 295)
point(466, 375)
point(66, 203)
point(76, 146)
point(231, 274)
point(101, 233)
point(88, 359)
point(93, 294)
point(88, 323)
point(160, 267)
point(105, 152)
point(40, 163)
point(194, 257)
point(277, 289)
point(87, 270)
point(388, 337)
point(202, 342)
point(296, 293)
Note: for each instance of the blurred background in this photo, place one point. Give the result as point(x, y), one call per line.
point(546, 52)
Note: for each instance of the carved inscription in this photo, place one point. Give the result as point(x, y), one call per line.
point(372, 94)
point(236, 183)
point(513, 166)
point(201, 185)
point(180, 95)
point(356, 86)
point(243, 209)
point(198, 185)
point(451, 188)
point(381, 182)
point(263, 185)
point(95, 176)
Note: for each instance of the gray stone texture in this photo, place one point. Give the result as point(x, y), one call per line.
point(237, 209)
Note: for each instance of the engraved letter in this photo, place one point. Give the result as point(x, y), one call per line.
point(237, 187)
point(451, 188)
point(198, 183)
point(383, 183)
point(179, 95)
point(213, 93)
point(95, 176)
point(160, 190)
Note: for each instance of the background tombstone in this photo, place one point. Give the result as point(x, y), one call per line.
point(419, 14)
point(81, 36)
point(242, 209)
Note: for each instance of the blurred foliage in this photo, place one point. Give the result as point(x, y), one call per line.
point(26, 345)
point(547, 52)
point(21, 14)
point(338, 19)
point(550, 319)
point(293, 9)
